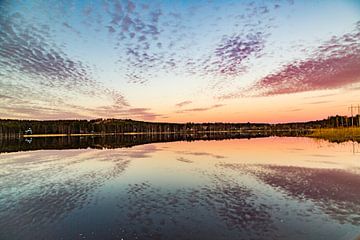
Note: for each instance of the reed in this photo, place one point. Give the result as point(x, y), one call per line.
point(337, 134)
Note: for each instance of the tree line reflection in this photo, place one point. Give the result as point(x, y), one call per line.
point(113, 141)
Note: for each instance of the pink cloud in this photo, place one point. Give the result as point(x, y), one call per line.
point(181, 104)
point(335, 64)
point(200, 109)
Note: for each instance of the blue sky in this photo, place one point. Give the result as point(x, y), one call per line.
point(221, 60)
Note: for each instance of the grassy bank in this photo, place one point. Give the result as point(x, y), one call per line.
point(337, 134)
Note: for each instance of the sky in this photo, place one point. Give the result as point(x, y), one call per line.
point(179, 61)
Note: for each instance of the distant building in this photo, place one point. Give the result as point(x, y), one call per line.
point(28, 131)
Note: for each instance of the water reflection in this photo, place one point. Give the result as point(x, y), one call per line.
point(262, 188)
point(44, 187)
point(157, 211)
point(335, 191)
point(116, 141)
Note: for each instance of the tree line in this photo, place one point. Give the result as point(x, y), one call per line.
point(10, 128)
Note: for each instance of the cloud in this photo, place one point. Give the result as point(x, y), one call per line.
point(143, 113)
point(200, 109)
point(114, 111)
point(42, 78)
point(321, 96)
point(319, 102)
point(181, 104)
point(294, 110)
point(29, 111)
point(34, 67)
point(31, 53)
point(233, 51)
point(136, 31)
point(153, 40)
point(71, 28)
point(25, 109)
point(334, 64)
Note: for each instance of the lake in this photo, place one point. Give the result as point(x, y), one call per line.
point(256, 188)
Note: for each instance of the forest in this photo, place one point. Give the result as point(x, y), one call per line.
point(10, 128)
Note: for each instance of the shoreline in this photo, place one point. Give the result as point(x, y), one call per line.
point(330, 134)
point(162, 133)
point(340, 134)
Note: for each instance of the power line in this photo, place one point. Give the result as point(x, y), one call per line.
point(352, 108)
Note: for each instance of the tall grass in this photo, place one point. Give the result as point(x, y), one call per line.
point(337, 134)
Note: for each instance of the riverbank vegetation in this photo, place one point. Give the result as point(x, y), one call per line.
point(340, 134)
point(13, 129)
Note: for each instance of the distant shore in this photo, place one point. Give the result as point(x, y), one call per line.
point(334, 128)
point(331, 134)
point(145, 133)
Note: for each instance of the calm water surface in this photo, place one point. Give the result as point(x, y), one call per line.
point(263, 188)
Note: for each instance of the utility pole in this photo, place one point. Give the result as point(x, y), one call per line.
point(352, 114)
point(352, 108)
point(358, 107)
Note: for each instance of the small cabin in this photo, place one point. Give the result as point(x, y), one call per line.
point(28, 131)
